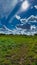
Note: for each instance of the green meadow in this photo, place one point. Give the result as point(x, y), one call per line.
point(18, 50)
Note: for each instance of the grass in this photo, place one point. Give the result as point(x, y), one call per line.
point(18, 50)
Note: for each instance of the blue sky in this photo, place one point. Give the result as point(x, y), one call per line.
point(6, 6)
point(10, 8)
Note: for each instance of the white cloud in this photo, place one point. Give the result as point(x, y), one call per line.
point(19, 31)
point(18, 17)
point(33, 27)
point(32, 18)
point(31, 31)
point(23, 31)
point(35, 6)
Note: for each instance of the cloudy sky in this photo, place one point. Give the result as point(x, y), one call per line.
point(13, 11)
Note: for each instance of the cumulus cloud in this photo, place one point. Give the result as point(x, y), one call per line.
point(18, 30)
point(33, 28)
point(31, 18)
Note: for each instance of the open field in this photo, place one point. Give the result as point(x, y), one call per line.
point(18, 50)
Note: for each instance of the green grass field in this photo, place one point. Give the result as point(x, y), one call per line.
point(18, 50)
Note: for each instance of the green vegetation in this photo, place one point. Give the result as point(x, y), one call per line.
point(18, 50)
